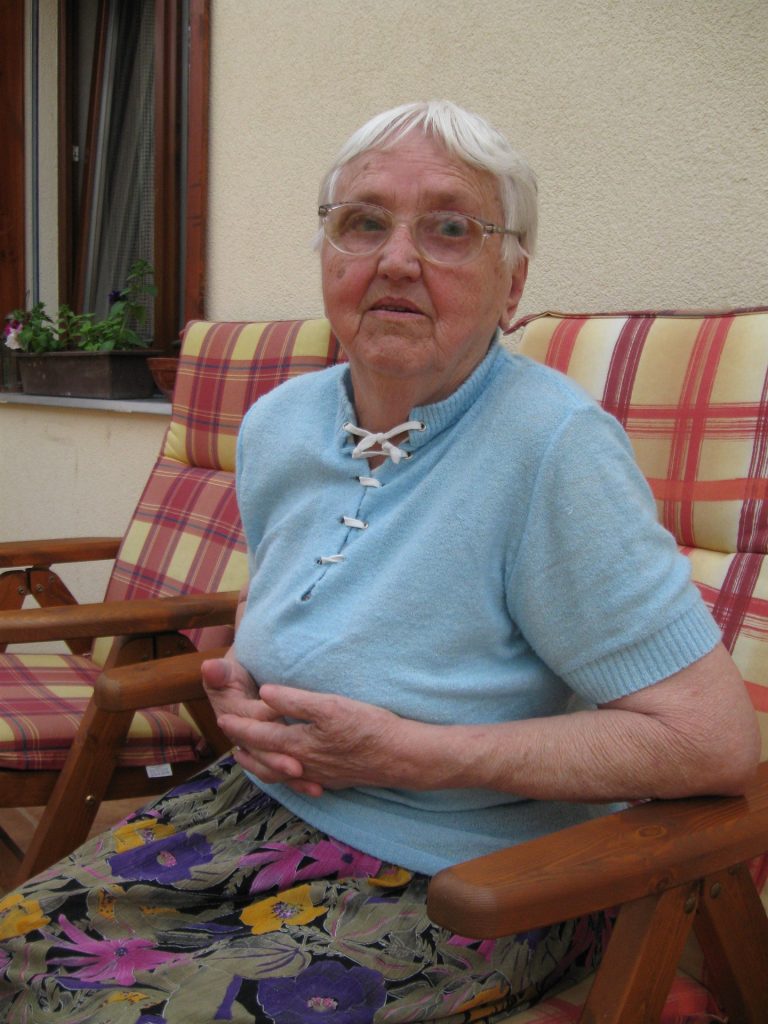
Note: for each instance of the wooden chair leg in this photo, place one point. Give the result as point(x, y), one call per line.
point(202, 714)
point(732, 929)
point(635, 976)
point(79, 791)
point(13, 590)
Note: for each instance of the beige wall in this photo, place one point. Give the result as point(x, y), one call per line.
point(647, 121)
point(73, 473)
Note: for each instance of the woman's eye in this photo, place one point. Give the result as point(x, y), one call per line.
point(365, 224)
point(452, 227)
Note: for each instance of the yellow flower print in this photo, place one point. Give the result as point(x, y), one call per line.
point(139, 833)
point(19, 916)
point(484, 1003)
point(391, 877)
point(127, 997)
point(294, 906)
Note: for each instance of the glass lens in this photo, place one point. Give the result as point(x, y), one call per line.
point(448, 237)
point(358, 227)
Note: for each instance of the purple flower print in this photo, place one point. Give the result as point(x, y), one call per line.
point(166, 860)
point(108, 960)
point(348, 995)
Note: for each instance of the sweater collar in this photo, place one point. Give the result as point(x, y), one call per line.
point(437, 416)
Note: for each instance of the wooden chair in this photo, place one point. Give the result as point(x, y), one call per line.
point(692, 392)
point(68, 742)
point(689, 389)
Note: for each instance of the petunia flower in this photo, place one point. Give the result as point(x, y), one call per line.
point(109, 960)
point(12, 334)
point(349, 995)
point(294, 906)
point(18, 916)
point(166, 860)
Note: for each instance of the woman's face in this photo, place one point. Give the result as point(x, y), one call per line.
point(398, 316)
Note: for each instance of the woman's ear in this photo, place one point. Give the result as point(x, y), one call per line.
point(517, 284)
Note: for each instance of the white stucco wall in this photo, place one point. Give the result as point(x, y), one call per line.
point(647, 121)
point(73, 473)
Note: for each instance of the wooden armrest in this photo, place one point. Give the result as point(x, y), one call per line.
point(49, 552)
point(151, 683)
point(602, 863)
point(118, 618)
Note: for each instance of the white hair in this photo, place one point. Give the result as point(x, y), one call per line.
point(469, 137)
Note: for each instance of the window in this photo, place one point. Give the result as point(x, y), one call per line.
point(133, 180)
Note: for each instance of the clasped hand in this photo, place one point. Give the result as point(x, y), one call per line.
point(310, 741)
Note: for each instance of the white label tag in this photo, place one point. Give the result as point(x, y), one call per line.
point(159, 771)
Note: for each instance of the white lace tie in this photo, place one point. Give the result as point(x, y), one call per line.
point(365, 446)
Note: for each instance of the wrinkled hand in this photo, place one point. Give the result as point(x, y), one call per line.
point(229, 687)
point(336, 742)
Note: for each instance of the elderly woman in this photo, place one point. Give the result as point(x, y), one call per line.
point(463, 628)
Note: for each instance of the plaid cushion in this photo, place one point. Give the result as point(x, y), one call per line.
point(688, 1003)
point(184, 537)
point(224, 368)
point(42, 699)
point(691, 390)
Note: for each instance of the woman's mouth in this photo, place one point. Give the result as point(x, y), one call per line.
point(396, 307)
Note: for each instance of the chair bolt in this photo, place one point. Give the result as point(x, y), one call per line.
point(715, 891)
point(690, 905)
point(90, 799)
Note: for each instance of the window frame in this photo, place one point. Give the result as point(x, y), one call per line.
point(181, 199)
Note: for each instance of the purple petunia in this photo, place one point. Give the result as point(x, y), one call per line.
point(349, 995)
point(165, 860)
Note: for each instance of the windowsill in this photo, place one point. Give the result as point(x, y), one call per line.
point(152, 406)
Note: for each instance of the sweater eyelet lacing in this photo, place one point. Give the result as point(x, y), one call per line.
point(364, 449)
point(365, 446)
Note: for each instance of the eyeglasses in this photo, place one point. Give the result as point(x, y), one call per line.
point(441, 236)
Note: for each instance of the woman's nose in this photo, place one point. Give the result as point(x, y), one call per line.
point(399, 257)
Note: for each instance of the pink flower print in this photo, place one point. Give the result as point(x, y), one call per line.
point(109, 960)
point(281, 865)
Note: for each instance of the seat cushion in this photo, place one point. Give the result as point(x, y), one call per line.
point(688, 1003)
point(42, 699)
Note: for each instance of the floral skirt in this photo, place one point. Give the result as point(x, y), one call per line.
point(214, 903)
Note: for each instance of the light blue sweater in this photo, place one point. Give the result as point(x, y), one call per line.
point(512, 563)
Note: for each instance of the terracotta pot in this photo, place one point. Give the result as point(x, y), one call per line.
point(163, 370)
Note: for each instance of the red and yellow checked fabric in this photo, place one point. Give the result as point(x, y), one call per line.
point(208, 405)
point(184, 537)
point(42, 699)
point(691, 390)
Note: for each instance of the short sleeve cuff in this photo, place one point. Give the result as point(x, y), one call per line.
point(677, 645)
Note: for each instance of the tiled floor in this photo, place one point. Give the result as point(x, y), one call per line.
point(19, 823)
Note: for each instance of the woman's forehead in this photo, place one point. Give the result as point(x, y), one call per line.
point(417, 168)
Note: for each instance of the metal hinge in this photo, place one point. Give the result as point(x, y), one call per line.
point(75, 154)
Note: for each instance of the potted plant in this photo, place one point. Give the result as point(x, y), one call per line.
point(77, 355)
